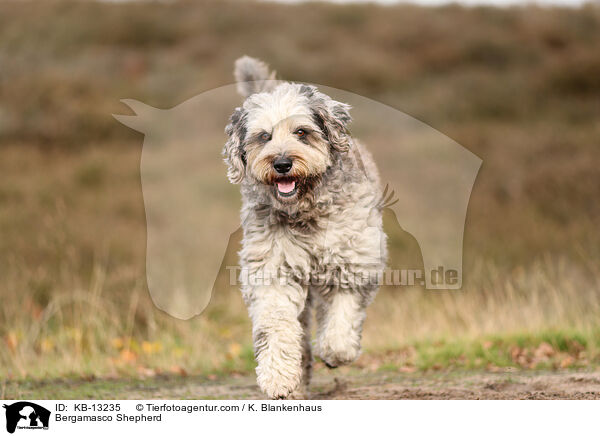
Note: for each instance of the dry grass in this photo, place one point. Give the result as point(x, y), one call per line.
point(519, 87)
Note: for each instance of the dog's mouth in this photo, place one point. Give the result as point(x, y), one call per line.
point(286, 187)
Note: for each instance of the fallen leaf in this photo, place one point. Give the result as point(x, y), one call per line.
point(151, 347)
point(567, 361)
point(234, 350)
point(127, 356)
point(145, 372)
point(515, 352)
point(117, 343)
point(176, 369)
point(46, 345)
point(11, 341)
point(544, 350)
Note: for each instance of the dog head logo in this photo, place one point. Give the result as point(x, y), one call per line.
point(191, 209)
point(26, 415)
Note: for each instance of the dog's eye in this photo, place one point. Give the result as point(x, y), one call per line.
point(300, 132)
point(265, 136)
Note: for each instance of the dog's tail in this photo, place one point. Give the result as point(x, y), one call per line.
point(252, 76)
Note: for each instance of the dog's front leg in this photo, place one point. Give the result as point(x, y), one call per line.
point(278, 337)
point(340, 317)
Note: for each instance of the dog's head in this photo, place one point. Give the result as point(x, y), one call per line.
point(285, 135)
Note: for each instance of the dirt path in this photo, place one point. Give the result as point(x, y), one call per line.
point(474, 386)
point(326, 385)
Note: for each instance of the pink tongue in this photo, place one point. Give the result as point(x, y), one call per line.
point(286, 187)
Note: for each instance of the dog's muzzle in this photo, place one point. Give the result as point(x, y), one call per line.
point(285, 186)
point(282, 165)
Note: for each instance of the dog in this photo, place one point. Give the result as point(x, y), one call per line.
point(312, 226)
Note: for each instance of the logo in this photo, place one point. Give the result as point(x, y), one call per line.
point(26, 415)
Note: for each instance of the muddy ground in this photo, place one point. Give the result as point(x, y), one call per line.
point(328, 385)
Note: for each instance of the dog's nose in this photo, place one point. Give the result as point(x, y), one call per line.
point(282, 165)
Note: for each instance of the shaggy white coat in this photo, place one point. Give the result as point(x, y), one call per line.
point(320, 248)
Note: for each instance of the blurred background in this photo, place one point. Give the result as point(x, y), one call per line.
point(519, 86)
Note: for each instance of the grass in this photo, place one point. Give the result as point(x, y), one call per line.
point(536, 352)
point(516, 86)
point(545, 350)
point(77, 388)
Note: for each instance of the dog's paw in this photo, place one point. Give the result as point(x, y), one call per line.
point(338, 351)
point(277, 386)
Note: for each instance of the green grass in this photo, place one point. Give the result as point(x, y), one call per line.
point(81, 388)
point(522, 352)
point(551, 349)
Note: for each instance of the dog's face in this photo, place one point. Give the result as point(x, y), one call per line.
point(285, 139)
point(285, 147)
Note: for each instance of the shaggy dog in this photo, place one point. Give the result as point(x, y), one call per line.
point(311, 217)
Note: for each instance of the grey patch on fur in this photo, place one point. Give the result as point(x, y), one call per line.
point(252, 76)
point(260, 342)
point(331, 116)
point(308, 90)
point(334, 122)
point(233, 151)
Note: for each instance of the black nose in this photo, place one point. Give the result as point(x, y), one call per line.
point(282, 165)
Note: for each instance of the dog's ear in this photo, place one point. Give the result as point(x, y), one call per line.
point(233, 151)
point(333, 118)
point(252, 76)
